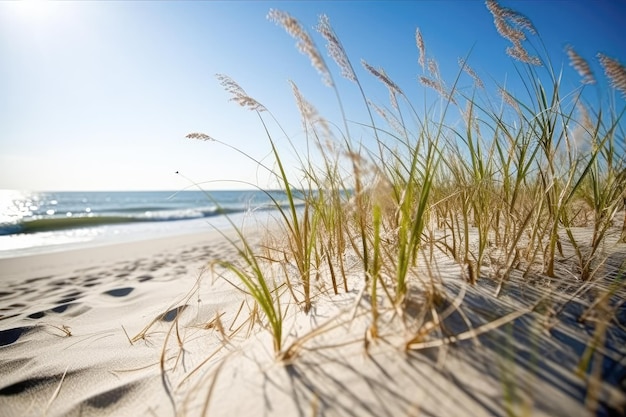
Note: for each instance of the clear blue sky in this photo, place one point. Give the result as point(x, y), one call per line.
point(99, 95)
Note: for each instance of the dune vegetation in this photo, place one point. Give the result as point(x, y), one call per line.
point(522, 193)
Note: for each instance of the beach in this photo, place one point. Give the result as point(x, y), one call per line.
point(67, 318)
point(388, 233)
point(149, 328)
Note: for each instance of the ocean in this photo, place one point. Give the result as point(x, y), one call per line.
point(40, 222)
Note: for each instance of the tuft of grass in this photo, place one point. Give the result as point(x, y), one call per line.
point(500, 190)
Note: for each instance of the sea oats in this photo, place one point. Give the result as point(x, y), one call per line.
point(433, 68)
point(438, 87)
point(391, 119)
point(615, 72)
point(392, 91)
point(470, 119)
point(508, 32)
point(580, 65)
point(583, 117)
point(239, 96)
point(335, 48)
point(382, 76)
point(521, 21)
point(420, 47)
point(505, 13)
point(304, 42)
point(518, 52)
point(470, 71)
point(308, 112)
point(200, 136)
point(382, 193)
point(511, 25)
point(509, 99)
point(393, 99)
point(500, 15)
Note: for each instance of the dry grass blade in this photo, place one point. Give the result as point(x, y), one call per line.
point(127, 336)
point(580, 65)
point(304, 42)
point(289, 354)
point(615, 72)
point(469, 334)
point(56, 392)
point(209, 394)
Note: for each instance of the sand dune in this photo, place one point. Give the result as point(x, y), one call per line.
point(145, 328)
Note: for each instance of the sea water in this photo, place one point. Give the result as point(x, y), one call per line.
point(39, 222)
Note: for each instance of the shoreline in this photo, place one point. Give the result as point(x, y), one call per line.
point(63, 259)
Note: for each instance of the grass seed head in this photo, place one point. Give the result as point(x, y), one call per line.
point(433, 68)
point(335, 48)
point(517, 51)
point(200, 136)
point(470, 71)
point(308, 112)
point(584, 118)
point(511, 25)
point(438, 87)
point(500, 15)
point(615, 72)
point(380, 74)
point(508, 99)
point(419, 40)
point(239, 96)
point(304, 42)
point(580, 65)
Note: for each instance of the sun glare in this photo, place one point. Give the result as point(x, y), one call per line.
point(36, 10)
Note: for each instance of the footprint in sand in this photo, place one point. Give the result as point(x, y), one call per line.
point(111, 397)
point(91, 282)
point(119, 292)
point(173, 313)
point(62, 308)
point(144, 278)
point(70, 298)
point(11, 308)
point(10, 336)
point(31, 383)
point(33, 280)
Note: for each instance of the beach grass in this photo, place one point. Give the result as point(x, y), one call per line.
point(502, 189)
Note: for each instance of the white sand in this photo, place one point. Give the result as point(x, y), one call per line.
point(66, 319)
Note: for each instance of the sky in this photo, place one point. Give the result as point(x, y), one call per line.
point(100, 95)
